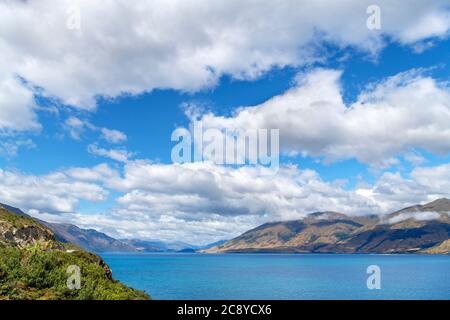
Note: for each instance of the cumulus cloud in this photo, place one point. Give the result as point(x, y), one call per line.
point(17, 107)
point(113, 136)
point(123, 224)
point(414, 158)
point(423, 184)
point(205, 188)
point(436, 178)
point(10, 147)
point(393, 117)
point(100, 173)
point(419, 216)
point(188, 45)
point(121, 155)
point(76, 127)
point(54, 193)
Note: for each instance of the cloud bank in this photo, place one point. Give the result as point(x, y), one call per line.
point(188, 45)
point(210, 202)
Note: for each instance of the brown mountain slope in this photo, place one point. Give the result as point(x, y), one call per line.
point(413, 229)
point(310, 234)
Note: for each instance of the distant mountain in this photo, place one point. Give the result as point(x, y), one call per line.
point(158, 246)
point(212, 245)
point(193, 249)
point(98, 242)
point(88, 239)
point(95, 241)
point(421, 228)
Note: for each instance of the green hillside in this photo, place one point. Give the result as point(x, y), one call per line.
point(33, 265)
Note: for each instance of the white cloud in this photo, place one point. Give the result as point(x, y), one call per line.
point(76, 127)
point(435, 24)
point(10, 147)
point(419, 216)
point(99, 173)
point(394, 117)
point(414, 158)
point(121, 155)
point(436, 178)
point(113, 136)
point(205, 188)
point(55, 192)
point(393, 191)
point(123, 224)
point(130, 47)
point(17, 107)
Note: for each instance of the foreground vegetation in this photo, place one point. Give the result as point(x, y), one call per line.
point(34, 265)
point(33, 273)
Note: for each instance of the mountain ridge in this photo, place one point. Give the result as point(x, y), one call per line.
point(420, 229)
point(98, 242)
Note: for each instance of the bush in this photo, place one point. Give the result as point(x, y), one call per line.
point(34, 273)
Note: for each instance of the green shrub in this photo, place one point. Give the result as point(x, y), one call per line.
point(34, 273)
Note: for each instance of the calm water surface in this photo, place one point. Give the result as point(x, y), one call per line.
point(281, 276)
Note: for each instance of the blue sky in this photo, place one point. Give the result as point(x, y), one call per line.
point(58, 101)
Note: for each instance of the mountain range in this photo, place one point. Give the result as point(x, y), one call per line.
point(416, 229)
point(95, 241)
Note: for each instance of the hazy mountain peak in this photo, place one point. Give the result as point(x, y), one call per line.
point(413, 229)
point(439, 205)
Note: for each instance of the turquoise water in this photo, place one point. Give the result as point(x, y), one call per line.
point(282, 276)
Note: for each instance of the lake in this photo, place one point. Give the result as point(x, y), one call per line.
point(281, 276)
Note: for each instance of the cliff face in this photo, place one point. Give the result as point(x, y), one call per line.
point(422, 228)
point(21, 231)
point(33, 265)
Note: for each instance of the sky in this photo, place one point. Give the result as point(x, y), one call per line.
point(91, 92)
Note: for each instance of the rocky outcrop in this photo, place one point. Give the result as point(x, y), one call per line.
point(22, 231)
